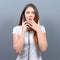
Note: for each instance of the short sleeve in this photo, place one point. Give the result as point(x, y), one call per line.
point(17, 30)
point(43, 29)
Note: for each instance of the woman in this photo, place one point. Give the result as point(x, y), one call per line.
point(29, 37)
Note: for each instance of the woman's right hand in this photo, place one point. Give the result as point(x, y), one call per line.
point(24, 26)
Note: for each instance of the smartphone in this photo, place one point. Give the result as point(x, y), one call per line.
point(23, 18)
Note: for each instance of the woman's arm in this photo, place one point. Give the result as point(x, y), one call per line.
point(18, 42)
point(42, 41)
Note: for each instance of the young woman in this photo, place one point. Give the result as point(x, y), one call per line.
point(29, 37)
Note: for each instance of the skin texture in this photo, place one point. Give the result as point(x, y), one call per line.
point(18, 40)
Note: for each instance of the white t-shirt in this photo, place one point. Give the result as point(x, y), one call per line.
point(35, 53)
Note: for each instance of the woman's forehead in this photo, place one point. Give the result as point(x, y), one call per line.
point(29, 9)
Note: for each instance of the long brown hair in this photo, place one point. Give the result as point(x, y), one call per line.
point(36, 18)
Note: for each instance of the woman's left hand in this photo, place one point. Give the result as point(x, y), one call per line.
point(34, 25)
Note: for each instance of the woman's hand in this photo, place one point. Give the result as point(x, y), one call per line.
point(24, 26)
point(34, 25)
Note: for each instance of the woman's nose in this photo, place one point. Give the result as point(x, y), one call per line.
point(30, 16)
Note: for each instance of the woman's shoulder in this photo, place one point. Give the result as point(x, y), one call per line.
point(42, 28)
point(17, 29)
point(17, 26)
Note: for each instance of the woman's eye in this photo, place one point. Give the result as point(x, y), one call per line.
point(27, 12)
point(30, 12)
point(33, 12)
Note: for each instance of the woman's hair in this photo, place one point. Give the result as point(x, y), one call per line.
point(36, 18)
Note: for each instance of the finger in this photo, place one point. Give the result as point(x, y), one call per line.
point(29, 25)
point(33, 22)
point(25, 22)
point(30, 22)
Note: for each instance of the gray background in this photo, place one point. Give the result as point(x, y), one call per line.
point(49, 11)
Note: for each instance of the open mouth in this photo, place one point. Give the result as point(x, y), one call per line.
point(30, 18)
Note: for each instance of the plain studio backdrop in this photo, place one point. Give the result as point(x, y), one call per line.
point(49, 11)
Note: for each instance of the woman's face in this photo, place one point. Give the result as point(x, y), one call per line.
point(29, 13)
